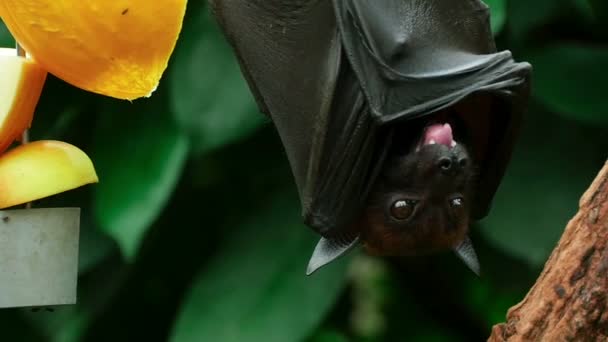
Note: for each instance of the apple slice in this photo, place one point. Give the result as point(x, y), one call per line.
point(41, 169)
point(114, 48)
point(21, 81)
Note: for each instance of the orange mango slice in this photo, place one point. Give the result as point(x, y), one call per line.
point(41, 169)
point(118, 48)
point(21, 82)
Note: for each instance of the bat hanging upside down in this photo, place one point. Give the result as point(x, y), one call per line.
point(398, 117)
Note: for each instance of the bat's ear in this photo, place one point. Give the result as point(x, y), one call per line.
point(466, 253)
point(328, 250)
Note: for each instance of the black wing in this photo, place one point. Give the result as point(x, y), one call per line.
point(291, 55)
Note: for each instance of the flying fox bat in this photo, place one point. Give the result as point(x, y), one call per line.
point(398, 117)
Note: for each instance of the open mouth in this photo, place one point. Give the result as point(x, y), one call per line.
point(437, 133)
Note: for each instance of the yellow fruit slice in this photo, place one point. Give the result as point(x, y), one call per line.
point(40, 169)
point(118, 48)
point(21, 81)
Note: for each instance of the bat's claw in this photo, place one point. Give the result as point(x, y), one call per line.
point(328, 250)
point(466, 253)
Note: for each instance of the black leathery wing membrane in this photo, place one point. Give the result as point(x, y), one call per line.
point(335, 76)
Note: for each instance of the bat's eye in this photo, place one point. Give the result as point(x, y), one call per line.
point(403, 209)
point(457, 202)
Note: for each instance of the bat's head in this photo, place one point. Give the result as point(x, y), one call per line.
point(421, 201)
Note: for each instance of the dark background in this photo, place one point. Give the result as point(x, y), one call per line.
point(194, 232)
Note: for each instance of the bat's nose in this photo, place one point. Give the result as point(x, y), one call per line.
point(445, 164)
point(452, 163)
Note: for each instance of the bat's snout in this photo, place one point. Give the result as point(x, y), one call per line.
point(452, 162)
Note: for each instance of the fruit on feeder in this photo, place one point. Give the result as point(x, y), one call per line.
point(21, 82)
point(41, 169)
point(115, 48)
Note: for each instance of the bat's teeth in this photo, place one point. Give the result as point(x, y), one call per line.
point(432, 142)
point(453, 144)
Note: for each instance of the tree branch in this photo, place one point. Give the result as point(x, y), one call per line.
point(570, 297)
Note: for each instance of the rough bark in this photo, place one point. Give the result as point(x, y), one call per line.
point(570, 297)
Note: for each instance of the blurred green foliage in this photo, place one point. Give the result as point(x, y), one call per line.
point(193, 233)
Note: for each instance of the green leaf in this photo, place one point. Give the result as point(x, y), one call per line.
point(584, 7)
point(94, 247)
point(570, 79)
point(209, 96)
point(488, 301)
point(525, 15)
point(498, 14)
point(554, 162)
point(329, 336)
point(599, 8)
point(6, 39)
point(255, 289)
point(67, 324)
point(139, 155)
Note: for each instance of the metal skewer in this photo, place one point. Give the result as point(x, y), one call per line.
point(25, 137)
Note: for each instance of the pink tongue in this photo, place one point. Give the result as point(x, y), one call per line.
point(440, 134)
